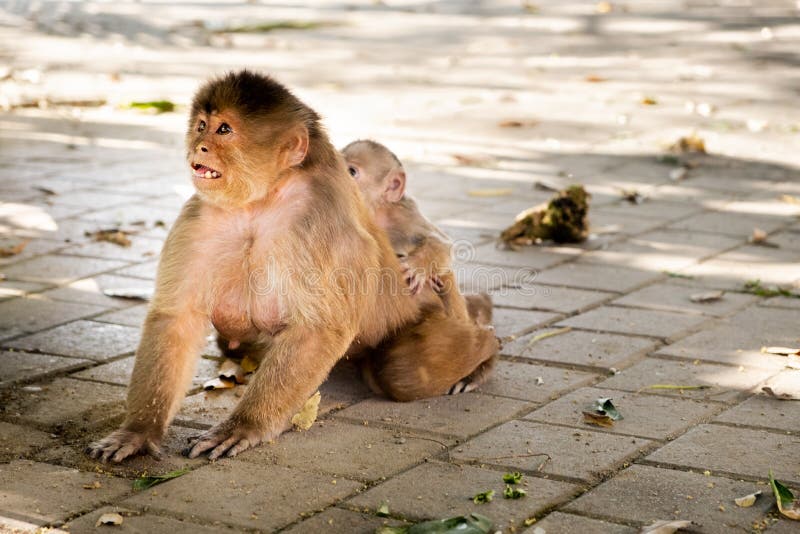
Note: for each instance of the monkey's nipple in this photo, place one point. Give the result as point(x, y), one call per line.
point(202, 171)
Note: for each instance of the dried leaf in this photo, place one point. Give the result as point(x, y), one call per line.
point(603, 7)
point(498, 192)
point(593, 78)
point(789, 199)
point(593, 418)
point(383, 510)
point(545, 335)
point(690, 144)
point(784, 386)
point(483, 497)
point(474, 161)
point(666, 526)
point(787, 503)
point(471, 524)
point(232, 371)
point(131, 293)
point(219, 383)
point(672, 274)
point(308, 414)
point(748, 500)
point(511, 123)
point(512, 478)
point(709, 296)
point(674, 386)
point(632, 195)
point(94, 485)
point(514, 493)
point(112, 519)
point(111, 235)
point(649, 101)
point(780, 351)
point(147, 482)
point(13, 250)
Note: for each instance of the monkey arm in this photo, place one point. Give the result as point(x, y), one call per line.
point(427, 263)
point(293, 368)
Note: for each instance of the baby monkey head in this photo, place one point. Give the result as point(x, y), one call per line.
point(377, 171)
point(245, 131)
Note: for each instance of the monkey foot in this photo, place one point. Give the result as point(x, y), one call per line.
point(226, 439)
point(123, 443)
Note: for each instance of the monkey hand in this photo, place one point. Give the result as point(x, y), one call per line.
point(123, 443)
point(228, 438)
point(415, 277)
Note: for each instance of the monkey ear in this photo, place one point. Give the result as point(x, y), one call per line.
point(395, 185)
point(297, 147)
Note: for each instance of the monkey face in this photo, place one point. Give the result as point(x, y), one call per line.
point(377, 171)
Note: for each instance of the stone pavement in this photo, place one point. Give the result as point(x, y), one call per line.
point(543, 92)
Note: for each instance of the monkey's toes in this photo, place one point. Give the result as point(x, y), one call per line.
point(222, 441)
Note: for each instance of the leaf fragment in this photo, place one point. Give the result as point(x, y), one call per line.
point(157, 106)
point(756, 288)
point(112, 519)
point(13, 250)
point(512, 123)
point(146, 482)
point(491, 192)
point(649, 101)
point(308, 414)
point(789, 199)
point(597, 419)
point(665, 526)
point(512, 478)
point(248, 364)
point(514, 493)
point(483, 497)
point(474, 161)
point(689, 144)
point(383, 510)
point(708, 296)
point(130, 293)
point(748, 500)
point(593, 78)
point(111, 235)
point(788, 504)
point(676, 386)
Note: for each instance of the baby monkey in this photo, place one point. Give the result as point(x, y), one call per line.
point(456, 333)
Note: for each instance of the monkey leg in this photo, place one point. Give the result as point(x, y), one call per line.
point(292, 369)
point(490, 346)
point(431, 357)
point(164, 365)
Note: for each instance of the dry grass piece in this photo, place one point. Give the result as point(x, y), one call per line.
point(690, 144)
point(111, 235)
point(564, 220)
point(13, 250)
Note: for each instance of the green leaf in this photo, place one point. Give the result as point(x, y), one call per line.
point(755, 287)
point(161, 106)
point(678, 275)
point(514, 493)
point(785, 499)
point(146, 482)
point(383, 510)
point(512, 478)
point(606, 407)
point(484, 497)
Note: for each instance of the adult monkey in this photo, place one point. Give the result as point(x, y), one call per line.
point(277, 251)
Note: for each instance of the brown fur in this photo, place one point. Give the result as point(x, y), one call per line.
point(278, 252)
point(453, 341)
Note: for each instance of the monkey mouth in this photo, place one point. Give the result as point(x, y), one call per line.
point(202, 171)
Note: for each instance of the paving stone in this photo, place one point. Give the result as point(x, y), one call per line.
point(64, 401)
point(648, 416)
point(654, 208)
point(435, 490)
point(351, 450)
point(782, 302)
point(90, 290)
point(558, 299)
point(345, 521)
point(575, 453)
point(526, 257)
point(17, 366)
point(251, 496)
point(737, 451)
point(726, 383)
point(41, 493)
point(561, 523)
point(29, 314)
point(58, 269)
point(13, 288)
point(141, 523)
point(634, 321)
point(734, 224)
point(765, 412)
point(146, 270)
point(676, 297)
point(591, 349)
point(458, 415)
point(82, 339)
point(119, 372)
point(128, 214)
point(132, 316)
point(643, 494)
point(141, 248)
point(343, 387)
point(34, 247)
point(17, 441)
point(738, 340)
point(662, 250)
point(510, 322)
point(787, 238)
point(599, 277)
point(614, 223)
point(479, 278)
point(731, 270)
point(520, 381)
point(207, 408)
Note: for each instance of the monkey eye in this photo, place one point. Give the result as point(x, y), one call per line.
point(224, 128)
point(353, 171)
point(201, 126)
